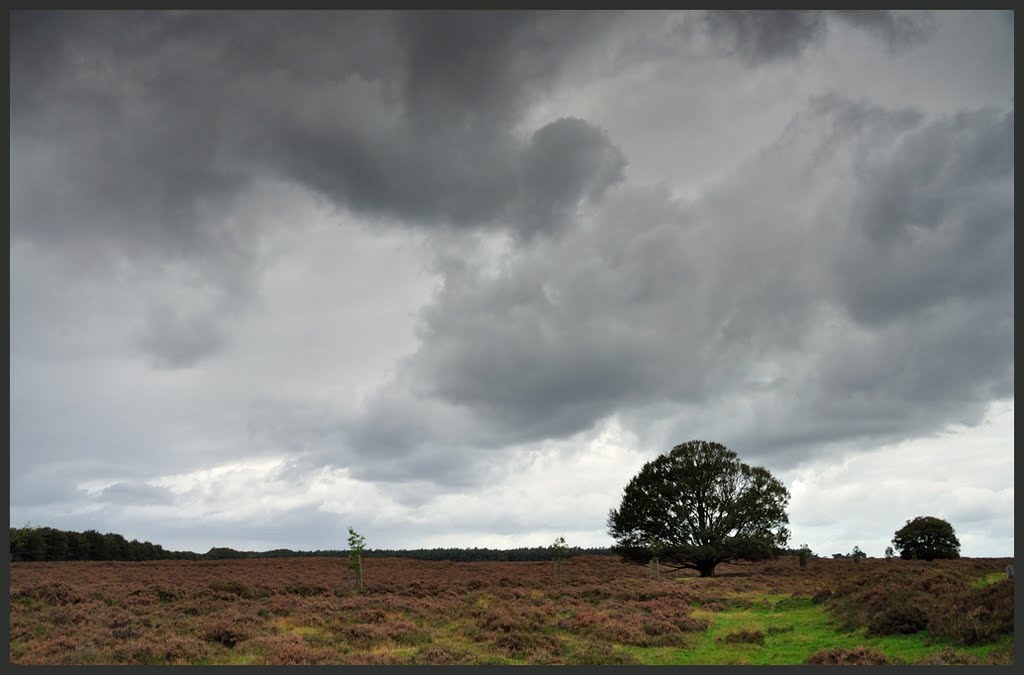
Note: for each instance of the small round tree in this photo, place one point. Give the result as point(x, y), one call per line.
point(926, 538)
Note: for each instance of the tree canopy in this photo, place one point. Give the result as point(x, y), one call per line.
point(698, 506)
point(926, 538)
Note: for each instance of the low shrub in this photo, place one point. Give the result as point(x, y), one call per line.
point(534, 647)
point(287, 649)
point(62, 615)
point(237, 589)
point(971, 627)
point(55, 593)
point(744, 636)
point(898, 620)
point(174, 650)
point(600, 654)
point(858, 656)
point(123, 627)
point(166, 594)
point(772, 630)
point(225, 632)
point(306, 590)
point(363, 634)
point(821, 596)
point(436, 655)
point(948, 657)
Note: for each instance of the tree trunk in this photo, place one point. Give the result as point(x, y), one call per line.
point(706, 568)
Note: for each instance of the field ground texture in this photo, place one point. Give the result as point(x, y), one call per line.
point(597, 610)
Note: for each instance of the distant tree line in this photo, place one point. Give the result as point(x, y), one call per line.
point(536, 553)
point(36, 544)
point(489, 554)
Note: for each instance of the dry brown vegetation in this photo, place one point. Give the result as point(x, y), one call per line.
point(305, 611)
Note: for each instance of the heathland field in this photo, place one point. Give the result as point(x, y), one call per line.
point(596, 611)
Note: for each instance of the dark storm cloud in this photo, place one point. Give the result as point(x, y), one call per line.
point(565, 162)
point(897, 30)
point(764, 36)
point(931, 219)
point(135, 134)
point(148, 124)
point(774, 291)
point(478, 68)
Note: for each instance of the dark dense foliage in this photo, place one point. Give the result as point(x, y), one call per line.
point(926, 538)
point(698, 506)
point(36, 544)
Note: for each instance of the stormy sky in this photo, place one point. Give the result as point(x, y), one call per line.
point(452, 277)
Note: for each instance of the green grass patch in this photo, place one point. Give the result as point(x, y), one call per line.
point(794, 629)
point(989, 579)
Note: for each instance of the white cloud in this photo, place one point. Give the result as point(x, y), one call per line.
point(963, 475)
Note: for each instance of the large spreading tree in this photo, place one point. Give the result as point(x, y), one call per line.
point(926, 538)
point(698, 506)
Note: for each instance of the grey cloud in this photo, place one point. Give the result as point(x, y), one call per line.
point(933, 219)
point(475, 68)
point(147, 125)
point(137, 136)
point(897, 29)
point(745, 298)
point(401, 436)
point(566, 161)
point(302, 528)
point(763, 36)
point(757, 36)
point(177, 341)
point(136, 494)
point(34, 486)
